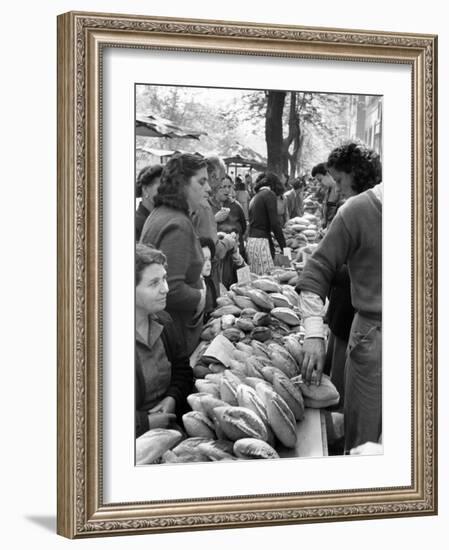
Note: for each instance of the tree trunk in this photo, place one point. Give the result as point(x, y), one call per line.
point(298, 151)
point(273, 132)
point(294, 132)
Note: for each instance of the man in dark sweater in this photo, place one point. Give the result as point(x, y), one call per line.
point(354, 238)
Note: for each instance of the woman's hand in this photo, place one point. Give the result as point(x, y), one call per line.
point(163, 414)
point(230, 240)
point(166, 405)
point(160, 420)
point(313, 360)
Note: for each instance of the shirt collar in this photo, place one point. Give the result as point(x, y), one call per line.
point(154, 331)
point(142, 209)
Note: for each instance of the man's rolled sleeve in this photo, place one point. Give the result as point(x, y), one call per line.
point(312, 311)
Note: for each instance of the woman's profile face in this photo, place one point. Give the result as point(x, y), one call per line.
point(198, 189)
point(151, 292)
point(344, 183)
point(149, 191)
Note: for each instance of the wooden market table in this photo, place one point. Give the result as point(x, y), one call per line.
point(311, 437)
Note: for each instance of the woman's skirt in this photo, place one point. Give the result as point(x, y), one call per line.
point(259, 255)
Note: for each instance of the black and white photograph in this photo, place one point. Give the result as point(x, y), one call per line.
point(258, 274)
point(224, 232)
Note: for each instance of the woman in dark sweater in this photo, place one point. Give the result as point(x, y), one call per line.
point(164, 377)
point(183, 187)
point(263, 220)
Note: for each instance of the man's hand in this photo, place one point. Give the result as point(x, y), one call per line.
point(166, 405)
point(313, 360)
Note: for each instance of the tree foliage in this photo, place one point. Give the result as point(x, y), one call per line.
point(312, 125)
point(221, 122)
point(294, 130)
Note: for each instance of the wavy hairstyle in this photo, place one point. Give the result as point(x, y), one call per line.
point(147, 255)
point(147, 176)
point(271, 180)
point(356, 159)
point(175, 177)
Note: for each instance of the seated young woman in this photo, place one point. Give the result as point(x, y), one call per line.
point(164, 377)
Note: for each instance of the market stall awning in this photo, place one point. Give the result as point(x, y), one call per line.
point(156, 126)
point(239, 155)
point(156, 152)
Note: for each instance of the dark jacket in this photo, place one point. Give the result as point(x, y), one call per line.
point(211, 298)
point(263, 218)
point(181, 384)
point(172, 232)
point(142, 214)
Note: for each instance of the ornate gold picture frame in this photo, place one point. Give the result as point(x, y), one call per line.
point(82, 41)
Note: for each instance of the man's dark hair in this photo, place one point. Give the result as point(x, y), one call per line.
point(356, 159)
point(320, 168)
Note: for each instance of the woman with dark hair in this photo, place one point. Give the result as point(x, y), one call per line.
point(183, 187)
point(263, 220)
point(164, 377)
point(354, 239)
point(146, 187)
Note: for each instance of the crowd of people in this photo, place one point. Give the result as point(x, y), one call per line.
point(196, 226)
